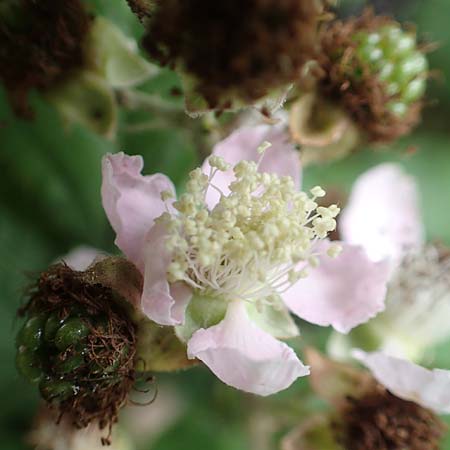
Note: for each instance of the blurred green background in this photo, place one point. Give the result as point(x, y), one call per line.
point(50, 203)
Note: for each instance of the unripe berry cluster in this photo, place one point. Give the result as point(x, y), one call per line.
point(393, 57)
point(78, 346)
point(375, 71)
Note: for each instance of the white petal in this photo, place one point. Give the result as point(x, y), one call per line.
point(161, 302)
point(131, 201)
point(244, 356)
point(428, 388)
point(343, 292)
point(383, 213)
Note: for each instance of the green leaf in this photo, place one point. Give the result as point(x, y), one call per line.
point(51, 177)
point(23, 252)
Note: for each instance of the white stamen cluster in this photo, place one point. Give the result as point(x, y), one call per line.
point(257, 241)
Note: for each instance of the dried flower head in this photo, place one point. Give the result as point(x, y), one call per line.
point(375, 69)
point(234, 49)
point(42, 44)
point(381, 421)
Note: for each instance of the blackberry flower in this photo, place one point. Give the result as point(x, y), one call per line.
point(225, 262)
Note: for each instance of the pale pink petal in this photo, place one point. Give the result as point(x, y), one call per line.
point(383, 213)
point(343, 292)
point(80, 258)
point(281, 158)
point(428, 388)
point(131, 201)
point(244, 356)
point(161, 302)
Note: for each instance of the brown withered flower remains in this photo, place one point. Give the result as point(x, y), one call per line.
point(234, 49)
point(42, 44)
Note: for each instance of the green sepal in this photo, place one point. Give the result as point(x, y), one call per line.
point(124, 280)
point(202, 312)
point(274, 319)
point(159, 349)
point(334, 381)
point(88, 100)
point(323, 137)
point(195, 104)
point(115, 57)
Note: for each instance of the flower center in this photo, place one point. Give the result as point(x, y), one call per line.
point(255, 243)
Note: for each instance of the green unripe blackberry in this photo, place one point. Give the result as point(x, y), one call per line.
point(376, 70)
point(392, 56)
point(78, 344)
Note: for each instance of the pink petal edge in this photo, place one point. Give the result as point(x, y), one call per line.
point(131, 201)
point(162, 302)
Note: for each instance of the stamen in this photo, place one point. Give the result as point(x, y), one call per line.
point(250, 245)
